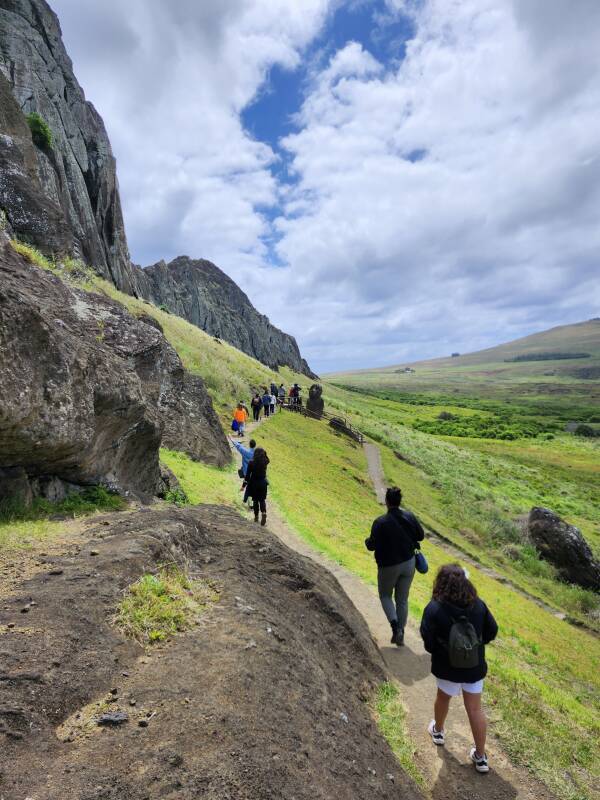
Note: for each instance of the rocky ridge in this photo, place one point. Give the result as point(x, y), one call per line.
point(89, 392)
point(200, 292)
point(76, 177)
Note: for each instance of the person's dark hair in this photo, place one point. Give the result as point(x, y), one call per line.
point(261, 459)
point(393, 497)
point(252, 443)
point(452, 586)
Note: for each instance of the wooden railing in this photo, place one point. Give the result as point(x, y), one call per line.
point(335, 421)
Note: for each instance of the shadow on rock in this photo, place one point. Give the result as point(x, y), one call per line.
point(458, 780)
point(406, 665)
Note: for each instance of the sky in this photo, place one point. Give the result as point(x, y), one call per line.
point(387, 180)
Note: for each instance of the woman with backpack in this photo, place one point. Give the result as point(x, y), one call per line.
point(256, 484)
point(456, 626)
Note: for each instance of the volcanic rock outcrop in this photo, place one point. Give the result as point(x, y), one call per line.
point(88, 392)
point(77, 174)
point(200, 292)
point(563, 545)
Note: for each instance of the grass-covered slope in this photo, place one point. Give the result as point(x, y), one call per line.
point(543, 672)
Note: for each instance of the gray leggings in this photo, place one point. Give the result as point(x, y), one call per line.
point(396, 580)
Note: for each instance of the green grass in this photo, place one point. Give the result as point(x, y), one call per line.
point(543, 671)
point(78, 504)
point(200, 482)
point(156, 607)
point(390, 716)
point(476, 492)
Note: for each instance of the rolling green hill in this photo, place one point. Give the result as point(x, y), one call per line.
point(540, 366)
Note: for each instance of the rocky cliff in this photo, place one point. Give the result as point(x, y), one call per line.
point(89, 392)
point(200, 292)
point(64, 197)
point(72, 183)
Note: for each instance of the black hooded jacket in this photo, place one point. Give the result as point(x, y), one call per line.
point(435, 631)
point(394, 537)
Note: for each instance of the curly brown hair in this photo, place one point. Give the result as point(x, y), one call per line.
point(452, 586)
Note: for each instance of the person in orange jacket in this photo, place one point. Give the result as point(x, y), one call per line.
point(240, 415)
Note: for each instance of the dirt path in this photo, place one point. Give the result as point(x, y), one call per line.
point(448, 772)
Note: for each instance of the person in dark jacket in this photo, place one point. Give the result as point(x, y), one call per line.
point(455, 599)
point(256, 484)
point(394, 538)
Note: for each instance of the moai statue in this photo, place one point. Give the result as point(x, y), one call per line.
point(315, 405)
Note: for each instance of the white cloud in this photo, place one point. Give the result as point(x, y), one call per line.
point(457, 194)
point(170, 79)
point(443, 203)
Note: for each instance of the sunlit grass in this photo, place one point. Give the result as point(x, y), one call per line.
point(156, 607)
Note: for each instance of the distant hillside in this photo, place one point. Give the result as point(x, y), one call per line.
point(562, 361)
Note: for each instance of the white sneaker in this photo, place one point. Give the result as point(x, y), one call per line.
point(437, 737)
point(481, 762)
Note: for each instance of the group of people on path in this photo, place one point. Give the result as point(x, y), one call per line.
point(456, 624)
point(455, 627)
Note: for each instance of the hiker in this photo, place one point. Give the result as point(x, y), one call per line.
point(256, 405)
point(240, 415)
point(273, 388)
point(456, 626)
point(247, 454)
point(266, 402)
point(273, 402)
point(281, 394)
point(394, 538)
point(256, 484)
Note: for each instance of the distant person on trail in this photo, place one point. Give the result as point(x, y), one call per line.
point(273, 402)
point(394, 538)
point(281, 394)
point(456, 626)
point(266, 402)
point(256, 484)
point(273, 388)
point(240, 415)
point(247, 454)
point(256, 404)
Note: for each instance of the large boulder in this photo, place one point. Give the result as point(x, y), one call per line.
point(86, 389)
point(563, 545)
point(77, 175)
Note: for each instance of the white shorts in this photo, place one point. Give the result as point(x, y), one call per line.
point(454, 689)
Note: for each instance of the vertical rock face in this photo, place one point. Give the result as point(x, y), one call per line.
point(78, 173)
point(200, 292)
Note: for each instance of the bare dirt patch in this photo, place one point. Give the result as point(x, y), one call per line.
point(266, 697)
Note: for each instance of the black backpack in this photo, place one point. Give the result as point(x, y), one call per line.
point(463, 643)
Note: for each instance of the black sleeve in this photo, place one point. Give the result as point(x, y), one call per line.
point(249, 471)
point(371, 542)
point(429, 628)
point(490, 627)
point(418, 532)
